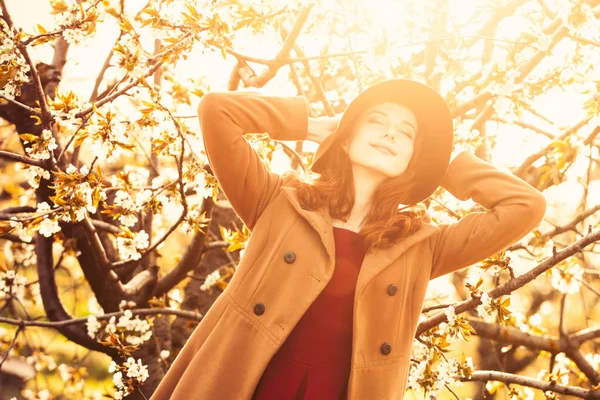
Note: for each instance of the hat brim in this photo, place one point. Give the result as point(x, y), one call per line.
point(434, 120)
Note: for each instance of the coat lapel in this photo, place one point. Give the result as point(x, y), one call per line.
point(376, 259)
point(319, 219)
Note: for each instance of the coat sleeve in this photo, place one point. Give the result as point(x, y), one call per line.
point(513, 209)
point(224, 117)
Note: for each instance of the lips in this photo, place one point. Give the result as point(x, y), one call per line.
point(384, 147)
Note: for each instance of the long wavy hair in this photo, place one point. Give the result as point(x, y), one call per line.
point(386, 222)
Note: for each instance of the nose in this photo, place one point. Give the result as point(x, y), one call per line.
point(390, 136)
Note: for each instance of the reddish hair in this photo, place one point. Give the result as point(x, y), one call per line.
point(385, 223)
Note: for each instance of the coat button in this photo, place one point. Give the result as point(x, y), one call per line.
point(259, 309)
point(392, 289)
point(289, 257)
point(386, 348)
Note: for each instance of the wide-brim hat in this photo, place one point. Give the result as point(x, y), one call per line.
point(434, 121)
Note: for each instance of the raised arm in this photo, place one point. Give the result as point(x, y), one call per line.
point(513, 209)
point(224, 117)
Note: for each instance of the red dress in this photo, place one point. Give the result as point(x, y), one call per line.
point(314, 361)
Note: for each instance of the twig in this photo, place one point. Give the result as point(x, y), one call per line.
point(19, 104)
point(534, 157)
point(119, 92)
point(105, 66)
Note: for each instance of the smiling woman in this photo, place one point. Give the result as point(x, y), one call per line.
point(322, 306)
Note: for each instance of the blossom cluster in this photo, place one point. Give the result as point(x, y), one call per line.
point(75, 18)
point(566, 276)
point(424, 375)
point(12, 284)
point(109, 136)
point(130, 57)
point(130, 244)
point(135, 330)
point(12, 63)
point(33, 174)
point(127, 376)
point(42, 146)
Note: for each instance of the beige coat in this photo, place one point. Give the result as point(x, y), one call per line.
point(290, 258)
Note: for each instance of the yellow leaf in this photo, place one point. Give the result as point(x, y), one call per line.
point(13, 189)
point(28, 137)
point(41, 29)
point(126, 25)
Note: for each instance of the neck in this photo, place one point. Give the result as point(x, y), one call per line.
point(365, 184)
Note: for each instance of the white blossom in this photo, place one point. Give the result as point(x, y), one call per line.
point(201, 187)
point(129, 247)
point(48, 227)
point(92, 326)
point(73, 36)
point(43, 207)
point(567, 277)
point(450, 315)
point(482, 309)
point(118, 379)
point(20, 230)
point(65, 373)
point(34, 174)
point(12, 283)
point(211, 280)
point(71, 169)
point(112, 367)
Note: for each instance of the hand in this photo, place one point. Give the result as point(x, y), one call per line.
point(320, 128)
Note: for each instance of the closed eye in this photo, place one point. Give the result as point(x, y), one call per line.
point(376, 121)
point(410, 135)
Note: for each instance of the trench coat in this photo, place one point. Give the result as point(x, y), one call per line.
point(289, 259)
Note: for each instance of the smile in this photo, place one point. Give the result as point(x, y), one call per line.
point(383, 148)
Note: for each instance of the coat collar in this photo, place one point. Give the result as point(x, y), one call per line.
point(376, 259)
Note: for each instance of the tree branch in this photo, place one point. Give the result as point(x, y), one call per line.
point(251, 79)
point(534, 157)
point(515, 283)
point(191, 258)
point(550, 344)
point(104, 317)
point(534, 383)
point(19, 104)
point(9, 155)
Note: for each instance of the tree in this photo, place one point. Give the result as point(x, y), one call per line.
point(104, 186)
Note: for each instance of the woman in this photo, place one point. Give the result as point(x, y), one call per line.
point(325, 301)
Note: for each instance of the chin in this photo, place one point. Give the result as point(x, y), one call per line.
point(381, 170)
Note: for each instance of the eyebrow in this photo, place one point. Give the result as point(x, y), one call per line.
point(403, 121)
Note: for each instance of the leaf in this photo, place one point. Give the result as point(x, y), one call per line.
point(41, 29)
point(112, 11)
point(37, 119)
point(193, 12)
point(4, 229)
point(126, 25)
point(28, 137)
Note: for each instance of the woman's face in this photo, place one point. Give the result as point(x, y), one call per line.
point(383, 139)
